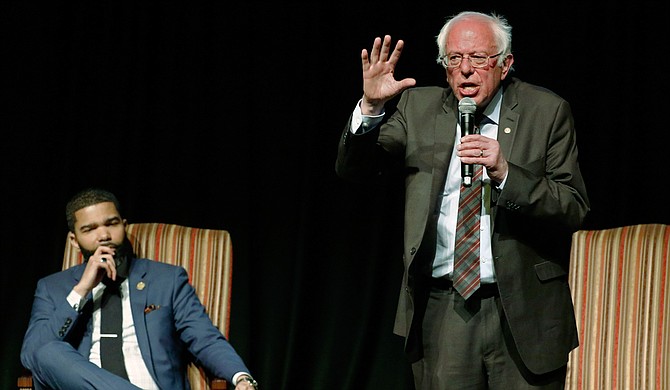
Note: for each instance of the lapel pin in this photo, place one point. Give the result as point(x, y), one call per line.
point(140, 286)
point(507, 130)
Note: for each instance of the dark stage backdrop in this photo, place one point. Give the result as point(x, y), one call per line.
point(228, 116)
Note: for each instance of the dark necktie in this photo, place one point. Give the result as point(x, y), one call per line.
point(111, 329)
point(466, 276)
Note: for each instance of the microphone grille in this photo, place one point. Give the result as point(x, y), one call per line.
point(467, 106)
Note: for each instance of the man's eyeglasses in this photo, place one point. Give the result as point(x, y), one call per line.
point(477, 60)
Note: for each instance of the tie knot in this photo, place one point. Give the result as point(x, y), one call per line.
point(112, 287)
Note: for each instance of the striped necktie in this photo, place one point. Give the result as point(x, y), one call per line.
point(466, 276)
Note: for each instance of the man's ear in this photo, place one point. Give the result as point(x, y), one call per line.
point(507, 65)
point(73, 240)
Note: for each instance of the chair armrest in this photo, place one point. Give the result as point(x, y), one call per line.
point(218, 384)
point(25, 382)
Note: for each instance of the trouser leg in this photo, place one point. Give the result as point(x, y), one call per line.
point(60, 366)
point(468, 346)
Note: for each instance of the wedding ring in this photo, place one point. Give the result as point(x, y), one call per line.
point(481, 153)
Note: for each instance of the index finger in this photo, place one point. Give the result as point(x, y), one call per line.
point(106, 257)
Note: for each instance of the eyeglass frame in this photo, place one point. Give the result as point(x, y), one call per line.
point(444, 59)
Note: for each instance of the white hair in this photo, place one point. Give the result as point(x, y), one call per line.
point(502, 32)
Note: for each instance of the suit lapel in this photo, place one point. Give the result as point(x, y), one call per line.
point(84, 346)
point(439, 137)
point(444, 134)
point(507, 130)
point(509, 120)
point(139, 282)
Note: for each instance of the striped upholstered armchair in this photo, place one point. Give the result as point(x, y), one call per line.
point(207, 256)
point(620, 283)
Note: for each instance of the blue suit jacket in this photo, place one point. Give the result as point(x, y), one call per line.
point(168, 335)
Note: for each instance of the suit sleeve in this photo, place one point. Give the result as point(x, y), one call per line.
point(52, 319)
point(205, 342)
point(551, 188)
point(369, 155)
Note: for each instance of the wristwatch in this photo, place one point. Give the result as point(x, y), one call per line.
point(249, 379)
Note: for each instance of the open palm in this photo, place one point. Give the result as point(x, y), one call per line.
point(379, 83)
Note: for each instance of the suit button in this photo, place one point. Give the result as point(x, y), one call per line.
point(511, 205)
point(61, 333)
point(68, 321)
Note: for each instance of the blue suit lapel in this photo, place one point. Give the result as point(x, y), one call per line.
point(138, 281)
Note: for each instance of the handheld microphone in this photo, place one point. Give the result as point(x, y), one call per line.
point(466, 109)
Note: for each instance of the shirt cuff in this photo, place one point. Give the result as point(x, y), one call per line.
point(237, 376)
point(361, 124)
point(75, 300)
point(500, 186)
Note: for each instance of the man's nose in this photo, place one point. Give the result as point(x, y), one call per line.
point(104, 234)
point(465, 66)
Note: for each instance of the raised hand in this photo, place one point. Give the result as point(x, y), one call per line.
point(379, 83)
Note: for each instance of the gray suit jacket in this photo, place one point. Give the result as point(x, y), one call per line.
point(544, 200)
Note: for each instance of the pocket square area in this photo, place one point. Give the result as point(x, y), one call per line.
point(151, 308)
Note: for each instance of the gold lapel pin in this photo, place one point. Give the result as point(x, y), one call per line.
point(140, 286)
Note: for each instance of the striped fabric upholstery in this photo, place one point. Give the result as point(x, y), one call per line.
point(621, 290)
point(207, 256)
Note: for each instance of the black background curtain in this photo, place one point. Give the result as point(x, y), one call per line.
point(228, 115)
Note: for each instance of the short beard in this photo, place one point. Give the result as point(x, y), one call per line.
point(123, 252)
